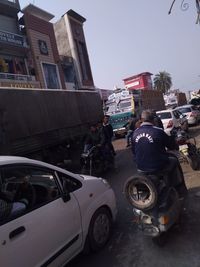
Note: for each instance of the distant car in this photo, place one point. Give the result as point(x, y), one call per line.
point(48, 215)
point(192, 113)
point(172, 118)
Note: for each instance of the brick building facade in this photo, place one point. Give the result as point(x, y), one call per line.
point(35, 53)
point(41, 37)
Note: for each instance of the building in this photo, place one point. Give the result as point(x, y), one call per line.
point(44, 59)
point(34, 53)
point(14, 49)
point(140, 81)
point(73, 51)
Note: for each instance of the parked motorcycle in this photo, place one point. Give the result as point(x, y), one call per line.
point(157, 206)
point(188, 151)
point(96, 160)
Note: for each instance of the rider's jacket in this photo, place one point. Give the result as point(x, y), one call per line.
point(149, 145)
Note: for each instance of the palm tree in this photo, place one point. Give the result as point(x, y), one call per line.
point(162, 81)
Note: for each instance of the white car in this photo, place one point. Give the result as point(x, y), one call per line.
point(172, 119)
point(192, 113)
point(48, 215)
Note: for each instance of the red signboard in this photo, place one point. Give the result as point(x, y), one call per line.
point(141, 81)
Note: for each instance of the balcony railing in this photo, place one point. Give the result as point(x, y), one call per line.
point(16, 77)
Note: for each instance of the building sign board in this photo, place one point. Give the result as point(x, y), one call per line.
point(43, 47)
point(132, 84)
point(11, 38)
point(19, 85)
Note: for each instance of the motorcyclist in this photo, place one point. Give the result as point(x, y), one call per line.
point(93, 138)
point(149, 147)
point(131, 127)
point(157, 120)
point(107, 134)
point(96, 138)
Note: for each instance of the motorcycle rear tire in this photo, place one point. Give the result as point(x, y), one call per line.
point(138, 203)
point(194, 162)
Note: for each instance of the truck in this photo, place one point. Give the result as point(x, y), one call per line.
point(174, 99)
point(121, 108)
point(43, 124)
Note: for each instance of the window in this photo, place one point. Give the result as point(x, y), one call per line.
point(125, 105)
point(195, 101)
point(111, 108)
point(181, 115)
point(69, 73)
point(164, 115)
point(25, 188)
point(176, 114)
point(84, 61)
point(69, 183)
point(185, 110)
point(51, 76)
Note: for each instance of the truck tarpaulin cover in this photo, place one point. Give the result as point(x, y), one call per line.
point(31, 119)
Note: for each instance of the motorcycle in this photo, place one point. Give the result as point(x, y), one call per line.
point(188, 151)
point(157, 206)
point(96, 160)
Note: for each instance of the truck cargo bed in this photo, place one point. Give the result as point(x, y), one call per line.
point(31, 120)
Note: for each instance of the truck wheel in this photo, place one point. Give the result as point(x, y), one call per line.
point(99, 229)
point(141, 192)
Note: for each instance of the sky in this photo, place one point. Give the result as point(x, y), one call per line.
point(127, 37)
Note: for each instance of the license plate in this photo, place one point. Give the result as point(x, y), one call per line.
point(184, 149)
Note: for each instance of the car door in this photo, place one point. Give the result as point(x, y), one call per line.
point(47, 229)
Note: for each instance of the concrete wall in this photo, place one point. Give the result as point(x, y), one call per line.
point(71, 42)
point(62, 38)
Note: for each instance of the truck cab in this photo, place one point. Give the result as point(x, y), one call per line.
point(119, 119)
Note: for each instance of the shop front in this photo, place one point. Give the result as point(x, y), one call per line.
point(14, 61)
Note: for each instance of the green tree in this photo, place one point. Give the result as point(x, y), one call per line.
point(162, 81)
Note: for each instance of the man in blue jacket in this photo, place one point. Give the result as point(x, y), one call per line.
point(149, 147)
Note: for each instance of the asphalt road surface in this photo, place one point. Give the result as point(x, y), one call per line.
point(128, 247)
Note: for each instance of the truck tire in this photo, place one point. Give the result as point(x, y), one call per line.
point(141, 192)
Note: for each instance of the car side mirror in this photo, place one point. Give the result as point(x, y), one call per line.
point(66, 194)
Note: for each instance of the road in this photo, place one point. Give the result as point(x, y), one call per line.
point(128, 247)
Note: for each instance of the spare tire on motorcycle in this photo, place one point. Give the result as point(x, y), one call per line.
point(141, 192)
